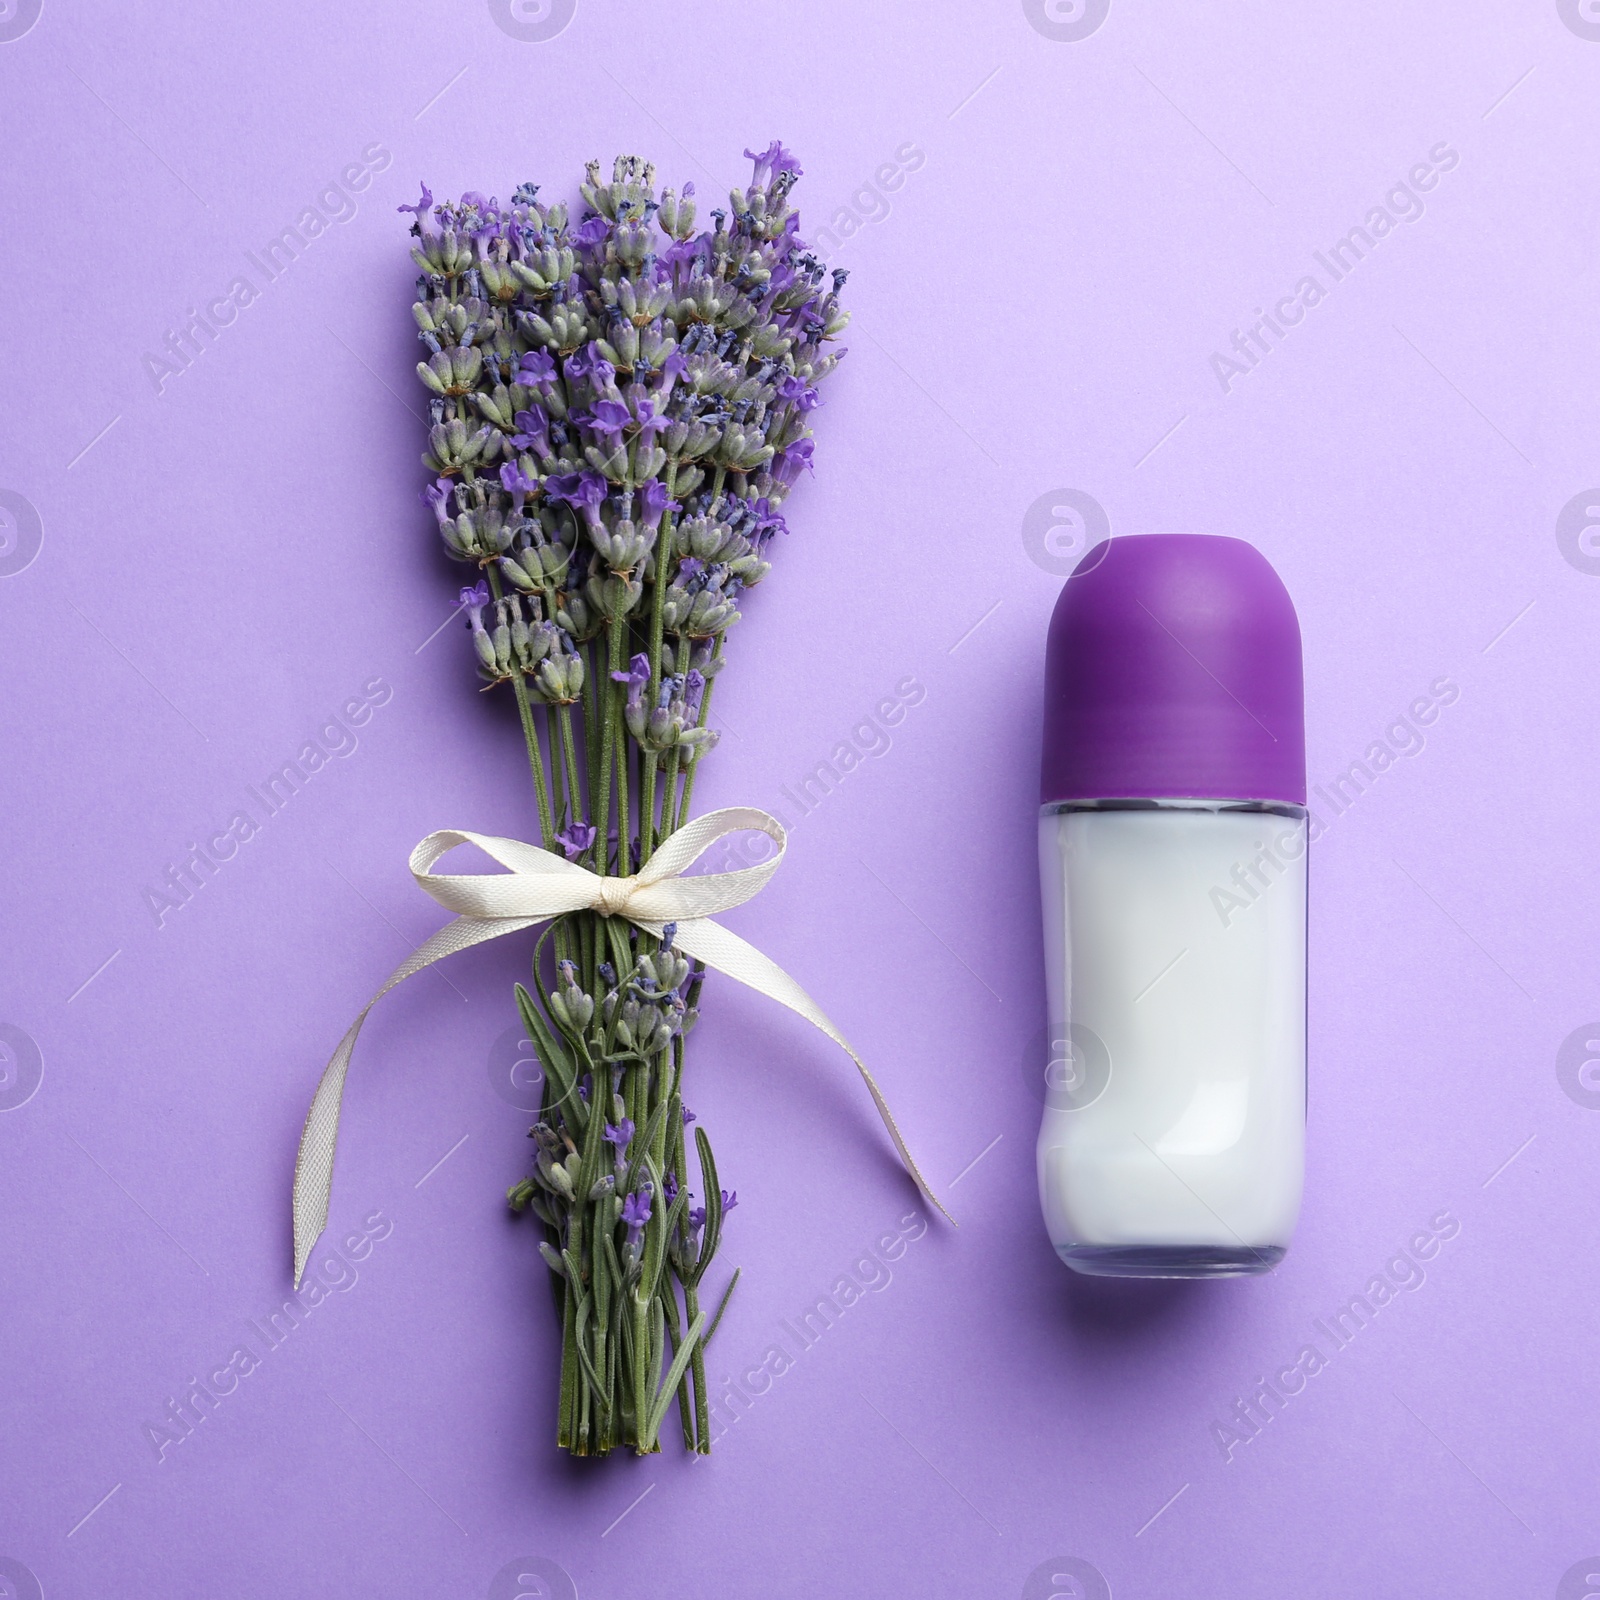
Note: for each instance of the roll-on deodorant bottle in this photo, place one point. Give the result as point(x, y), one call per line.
point(1172, 858)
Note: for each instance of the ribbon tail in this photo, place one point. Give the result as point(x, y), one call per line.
point(720, 948)
point(313, 1167)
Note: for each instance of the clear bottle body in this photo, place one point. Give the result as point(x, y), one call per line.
point(1173, 1137)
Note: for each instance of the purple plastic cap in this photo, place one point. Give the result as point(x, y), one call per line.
point(1173, 671)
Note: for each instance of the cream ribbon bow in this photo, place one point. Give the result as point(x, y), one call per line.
point(542, 885)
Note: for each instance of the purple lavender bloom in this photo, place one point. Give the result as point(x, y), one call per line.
point(537, 369)
point(636, 1212)
point(729, 1200)
point(653, 503)
point(697, 1215)
point(589, 363)
point(607, 418)
point(575, 838)
point(688, 1116)
point(437, 494)
point(473, 601)
point(651, 421)
point(421, 209)
point(789, 462)
point(683, 253)
point(798, 393)
point(589, 496)
point(669, 1187)
point(583, 491)
point(673, 368)
point(559, 487)
point(694, 686)
point(534, 426)
point(772, 163)
point(619, 1134)
point(515, 482)
point(595, 231)
point(638, 673)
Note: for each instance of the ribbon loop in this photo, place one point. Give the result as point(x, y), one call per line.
point(539, 885)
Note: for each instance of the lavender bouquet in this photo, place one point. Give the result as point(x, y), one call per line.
point(619, 406)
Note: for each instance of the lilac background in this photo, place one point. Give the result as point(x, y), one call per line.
point(1036, 306)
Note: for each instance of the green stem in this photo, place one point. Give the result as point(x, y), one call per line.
point(624, 816)
point(641, 1369)
point(608, 733)
point(705, 714)
point(697, 1366)
point(571, 1378)
point(530, 735)
point(669, 1299)
point(647, 806)
point(669, 798)
point(569, 749)
point(665, 542)
point(593, 693)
